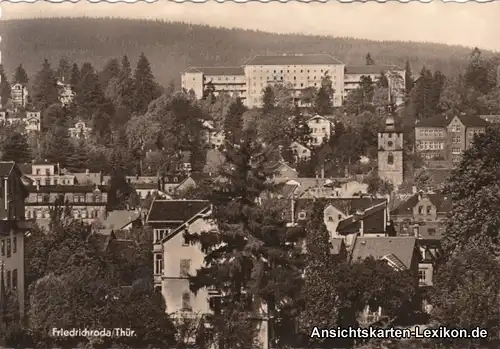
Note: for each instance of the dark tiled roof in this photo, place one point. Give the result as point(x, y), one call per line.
point(25, 168)
point(119, 218)
point(175, 210)
point(443, 121)
point(43, 162)
point(374, 221)
point(494, 119)
point(217, 70)
point(66, 188)
point(144, 186)
point(441, 202)
point(6, 168)
point(370, 69)
point(403, 248)
point(347, 206)
point(309, 59)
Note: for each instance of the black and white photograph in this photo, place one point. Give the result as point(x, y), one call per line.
point(249, 175)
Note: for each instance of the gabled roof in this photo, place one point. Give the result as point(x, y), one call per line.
point(370, 69)
point(305, 59)
point(402, 248)
point(230, 71)
point(441, 202)
point(120, 218)
point(374, 221)
point(175, 210)
point(200, 215)
point(441, 121)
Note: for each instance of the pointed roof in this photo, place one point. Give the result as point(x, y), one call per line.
point(396, 250)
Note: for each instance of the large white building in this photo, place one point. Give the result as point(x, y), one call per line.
point(297, 72)
point(224, 79)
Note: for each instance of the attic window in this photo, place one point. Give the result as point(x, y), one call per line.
point(302, 215)
point(340, 217)
point(330, 219)
point(175, 179)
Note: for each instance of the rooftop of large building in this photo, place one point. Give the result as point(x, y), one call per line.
point(441, 121)
point(370, 69)
point(297, 59)
point(229, 71)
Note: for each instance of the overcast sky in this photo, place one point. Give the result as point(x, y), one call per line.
point(469, 24)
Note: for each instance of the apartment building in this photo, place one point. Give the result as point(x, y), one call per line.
point(295, 71)
point(223, 79)
point(353, 74)
point(441, 140)
point(86, 201)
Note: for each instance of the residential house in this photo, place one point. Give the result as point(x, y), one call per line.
point(80, 131)
point(13, 226)
point(87, 202)
point(322, 128)
point(223, 80)
point(345, 217)
point(441, 140)
point(30, 121)
point(401, 253)
point(211, 136)
point(175, 259)
point(430, 250)
point(300, 152)
point(45, 173)
point(66, 94)
point(422, 215)
point(19, 95)
point(281, 171)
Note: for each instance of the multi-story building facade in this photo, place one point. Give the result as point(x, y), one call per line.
point(87, 202)
point(19, 94)
point(223, 79)
point(44, 173)
point(175, 259)
point(80, 131)
point(12, 229)
point(295, 71)
point(322, 128)
point(394, 74)
point(441, 140)
point(390, 153)
point(30, 121)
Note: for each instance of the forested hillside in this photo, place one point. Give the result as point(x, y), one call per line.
point(172, 47)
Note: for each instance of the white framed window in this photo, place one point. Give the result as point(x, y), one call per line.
point(160, 234)
point(302, 215)
point(421, 276)
point(158, 264)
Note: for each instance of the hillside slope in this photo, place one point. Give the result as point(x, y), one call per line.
point(172, 47)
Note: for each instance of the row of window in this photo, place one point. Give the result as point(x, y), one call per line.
point(456, 128)
point(8, 246)
point(55, 181)
point(294, 70)
point(427, 210)
point(46, 198)
point(430, 145)
point(431, 133)
point(39, 214)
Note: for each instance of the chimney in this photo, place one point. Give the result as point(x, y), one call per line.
point(87, 171)
point(292, 202)
point(322, 171)
point(414, 189)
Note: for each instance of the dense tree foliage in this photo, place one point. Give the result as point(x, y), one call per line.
point(200, 48)
point(45, 91)
point(20, 75)
point(16, 148)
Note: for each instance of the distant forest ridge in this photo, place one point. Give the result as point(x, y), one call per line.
point(172, 47)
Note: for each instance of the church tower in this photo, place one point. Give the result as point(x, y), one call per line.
point(390, 153)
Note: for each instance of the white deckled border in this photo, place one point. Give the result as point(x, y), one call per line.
point(244, 1)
